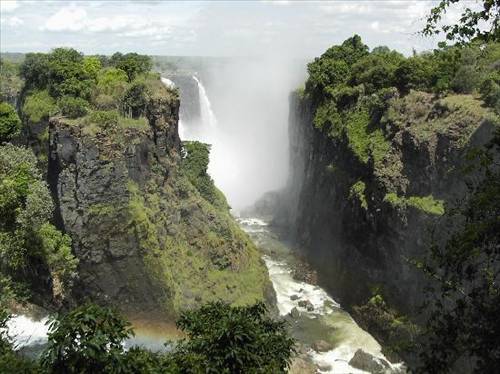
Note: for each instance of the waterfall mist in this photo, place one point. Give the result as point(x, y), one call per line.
point(249, 98)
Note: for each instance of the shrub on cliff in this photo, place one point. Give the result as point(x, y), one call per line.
point(194, 165)
point(10, 124)
point(38, 106)
point(73, 107)
point(26, 235)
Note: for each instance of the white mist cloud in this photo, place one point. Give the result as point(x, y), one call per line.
point(7, 6)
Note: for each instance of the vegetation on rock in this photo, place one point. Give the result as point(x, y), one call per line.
point(10, 124)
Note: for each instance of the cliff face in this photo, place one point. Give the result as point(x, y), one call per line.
point(145, 237)
point(360, 222)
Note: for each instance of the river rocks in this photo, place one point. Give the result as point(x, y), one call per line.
point(294, 313)
point(294, 297)
point(306, 304)
point(322, 346)
point(367, 362)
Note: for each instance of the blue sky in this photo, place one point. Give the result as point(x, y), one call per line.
point(210, 28)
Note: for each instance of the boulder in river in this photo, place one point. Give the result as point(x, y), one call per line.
point(294, 313)
point(307, 305)
point(322, 346)
point(367, 362)
point(294, 297)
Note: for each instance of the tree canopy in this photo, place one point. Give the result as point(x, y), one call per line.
point(482, 23)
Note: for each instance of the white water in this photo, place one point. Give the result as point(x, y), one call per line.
point(348, 335)
point(27, 331)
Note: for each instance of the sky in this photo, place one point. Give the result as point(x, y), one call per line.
point(211, 28)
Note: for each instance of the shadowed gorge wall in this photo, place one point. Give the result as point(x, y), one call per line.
point(361, 223)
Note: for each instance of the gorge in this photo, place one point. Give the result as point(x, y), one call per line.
point(246, 214)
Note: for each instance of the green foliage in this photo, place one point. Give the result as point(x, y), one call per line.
point(397, 333)
point(132, 64)
point(376, 70)
point(86, 340)
point(10, 124)
point(57, 253)
point(38, 106)
point(357, 191)
point(68, 75)
point(225, 339)
point(111, 85)
point(73, 107)
point(365, 141)
point(104, 119)
point(134, 101)
point(471, 23)
point(26, 236)
point(414, 73)
point(92, 66)
point(333, 67)
point(35, 70)
point(194, 165)
point(426, 204)
point(220, 339)
point(10, 81)
point(463, 301)
point(490, 91)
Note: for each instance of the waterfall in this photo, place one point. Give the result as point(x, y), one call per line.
point(207, 114)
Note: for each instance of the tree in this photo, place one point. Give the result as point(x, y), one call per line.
point(10, 124)
point(225, 339)
point(67, 74)
point(414, 73)
point(88, 339)
point(134, 100)
point(333, 67)
point(463, 329)
point(27, 238)
point(132, 64)
point(35, 70)
point(483, 23)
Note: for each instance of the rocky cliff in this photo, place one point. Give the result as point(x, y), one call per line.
point(146, 239)
point(359, 221)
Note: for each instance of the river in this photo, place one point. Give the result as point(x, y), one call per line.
point(324, 321)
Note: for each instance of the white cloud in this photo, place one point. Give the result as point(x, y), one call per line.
point(12, 21)
point(7, 6)
point(70, 18)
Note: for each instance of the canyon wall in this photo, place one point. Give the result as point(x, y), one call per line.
point(360, 222)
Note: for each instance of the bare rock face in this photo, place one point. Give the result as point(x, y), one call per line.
point(146, 239)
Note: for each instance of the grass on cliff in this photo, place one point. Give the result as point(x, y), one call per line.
point(426, 204)
point(196, 260)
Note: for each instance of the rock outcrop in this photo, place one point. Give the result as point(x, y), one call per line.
point(146, 239)
point(360, 222)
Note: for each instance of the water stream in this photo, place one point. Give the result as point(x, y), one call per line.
point(325, 320)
